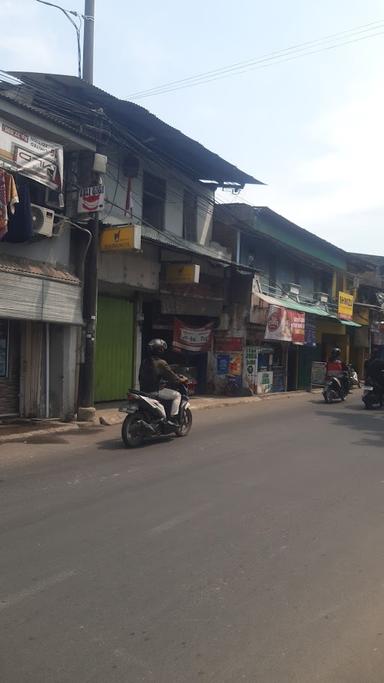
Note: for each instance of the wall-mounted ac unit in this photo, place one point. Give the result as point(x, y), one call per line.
point(42, 220)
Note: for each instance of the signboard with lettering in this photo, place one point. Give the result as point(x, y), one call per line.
point(182, 273)
point(121, 238)
point(195, 339)
point(345, 308)
point(91, 199)
point(31, 156)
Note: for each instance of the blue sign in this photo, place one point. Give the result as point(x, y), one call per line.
point(222, 367)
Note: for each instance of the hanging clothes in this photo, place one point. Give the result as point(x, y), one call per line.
point(8, 200)
point(20, 225)
point(3, 206)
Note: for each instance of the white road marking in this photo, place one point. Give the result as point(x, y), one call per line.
point(178, 519)
point(38, 587)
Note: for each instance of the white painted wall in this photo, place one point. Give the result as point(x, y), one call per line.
point(116, 195)
point(53, 250)
point(137, 271)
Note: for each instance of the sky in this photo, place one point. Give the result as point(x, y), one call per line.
point(310, 128)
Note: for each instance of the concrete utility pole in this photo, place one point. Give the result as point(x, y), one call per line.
point(86, 408)
point(88, 44)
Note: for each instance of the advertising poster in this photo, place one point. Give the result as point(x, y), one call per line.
point(222, 364)
point(285, 325)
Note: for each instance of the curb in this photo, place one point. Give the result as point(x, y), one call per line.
point(115, 419)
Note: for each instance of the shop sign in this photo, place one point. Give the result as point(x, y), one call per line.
point(91, 199)
point(285, 325)
point(345, 308)
point(121, 238)
point(318, 372)
point(228, 344)
point(182, 273)
point(31, 156)
point(195, 339)
point(222, 364)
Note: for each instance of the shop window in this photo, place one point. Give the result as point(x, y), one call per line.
point(154, 192)
point(189, 216)
point(4, 341)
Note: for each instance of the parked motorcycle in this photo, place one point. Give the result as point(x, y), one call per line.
point(337, 388)
point(147, 417)
point(373, 395)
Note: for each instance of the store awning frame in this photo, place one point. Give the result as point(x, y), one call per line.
point(304, 308)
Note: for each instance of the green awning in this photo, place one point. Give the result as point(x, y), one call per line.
point(349, 323)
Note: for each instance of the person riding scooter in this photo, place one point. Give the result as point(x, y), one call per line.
point(153, 370)
point(336, 368)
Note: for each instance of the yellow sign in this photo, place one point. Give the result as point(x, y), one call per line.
point(121, 238)
point(345, 309)
point(182, 273)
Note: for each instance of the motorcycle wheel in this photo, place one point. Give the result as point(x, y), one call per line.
point(185, 428)
point(131, 432)
point(328, 395)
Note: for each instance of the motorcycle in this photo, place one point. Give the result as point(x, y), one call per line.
point(373, 395)
point(147, 417)
point(337, 388)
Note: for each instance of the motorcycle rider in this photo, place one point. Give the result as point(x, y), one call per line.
point(336, 368)
point(153, 370)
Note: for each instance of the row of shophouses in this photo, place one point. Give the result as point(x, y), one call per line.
point(247, 301)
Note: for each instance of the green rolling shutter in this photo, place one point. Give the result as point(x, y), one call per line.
point(114, 349)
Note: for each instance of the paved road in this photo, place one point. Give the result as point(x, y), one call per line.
point(251, 551)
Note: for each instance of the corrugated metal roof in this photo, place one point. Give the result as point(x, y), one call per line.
point(168, 239)
point(187, 154)
point(20, 266)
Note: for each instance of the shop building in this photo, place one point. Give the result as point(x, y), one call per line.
point(294, 316)
point(41, 258)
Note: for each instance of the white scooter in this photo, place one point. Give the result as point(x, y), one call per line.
point(147, 417)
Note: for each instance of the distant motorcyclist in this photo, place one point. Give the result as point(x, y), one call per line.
point(154, 369)
point(337, 368)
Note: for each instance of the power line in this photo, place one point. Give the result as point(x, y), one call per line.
point(332, 41)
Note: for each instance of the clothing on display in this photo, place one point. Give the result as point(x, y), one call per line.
point(8, 200)
point(20, 225)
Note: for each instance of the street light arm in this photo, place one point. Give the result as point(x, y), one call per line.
point(68, 13)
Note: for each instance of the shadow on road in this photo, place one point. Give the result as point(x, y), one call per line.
point(370, 424)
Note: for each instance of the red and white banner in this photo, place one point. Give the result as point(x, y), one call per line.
point(285, 325)
point(91, 199)
point(197, 339)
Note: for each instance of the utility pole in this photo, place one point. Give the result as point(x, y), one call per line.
point(86, 408)
point(88, 44)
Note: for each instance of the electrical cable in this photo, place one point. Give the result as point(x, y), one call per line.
point(277, 57)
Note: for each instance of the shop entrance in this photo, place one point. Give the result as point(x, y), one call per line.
point(114, 349)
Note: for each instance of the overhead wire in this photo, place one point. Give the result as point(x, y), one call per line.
point(288, 54)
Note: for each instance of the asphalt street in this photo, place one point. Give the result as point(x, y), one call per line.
point(251, 551)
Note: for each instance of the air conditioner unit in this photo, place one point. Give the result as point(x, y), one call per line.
point(42, 220)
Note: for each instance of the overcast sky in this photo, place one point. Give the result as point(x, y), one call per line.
point(311, 128)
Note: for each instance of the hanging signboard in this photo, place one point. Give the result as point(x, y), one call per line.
point(310, 331)
point(91, 199)
point(195, 339)
point(31, 156)
point(121, 238)
point(345, 308)
point(285, 325)
point(182, 273)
